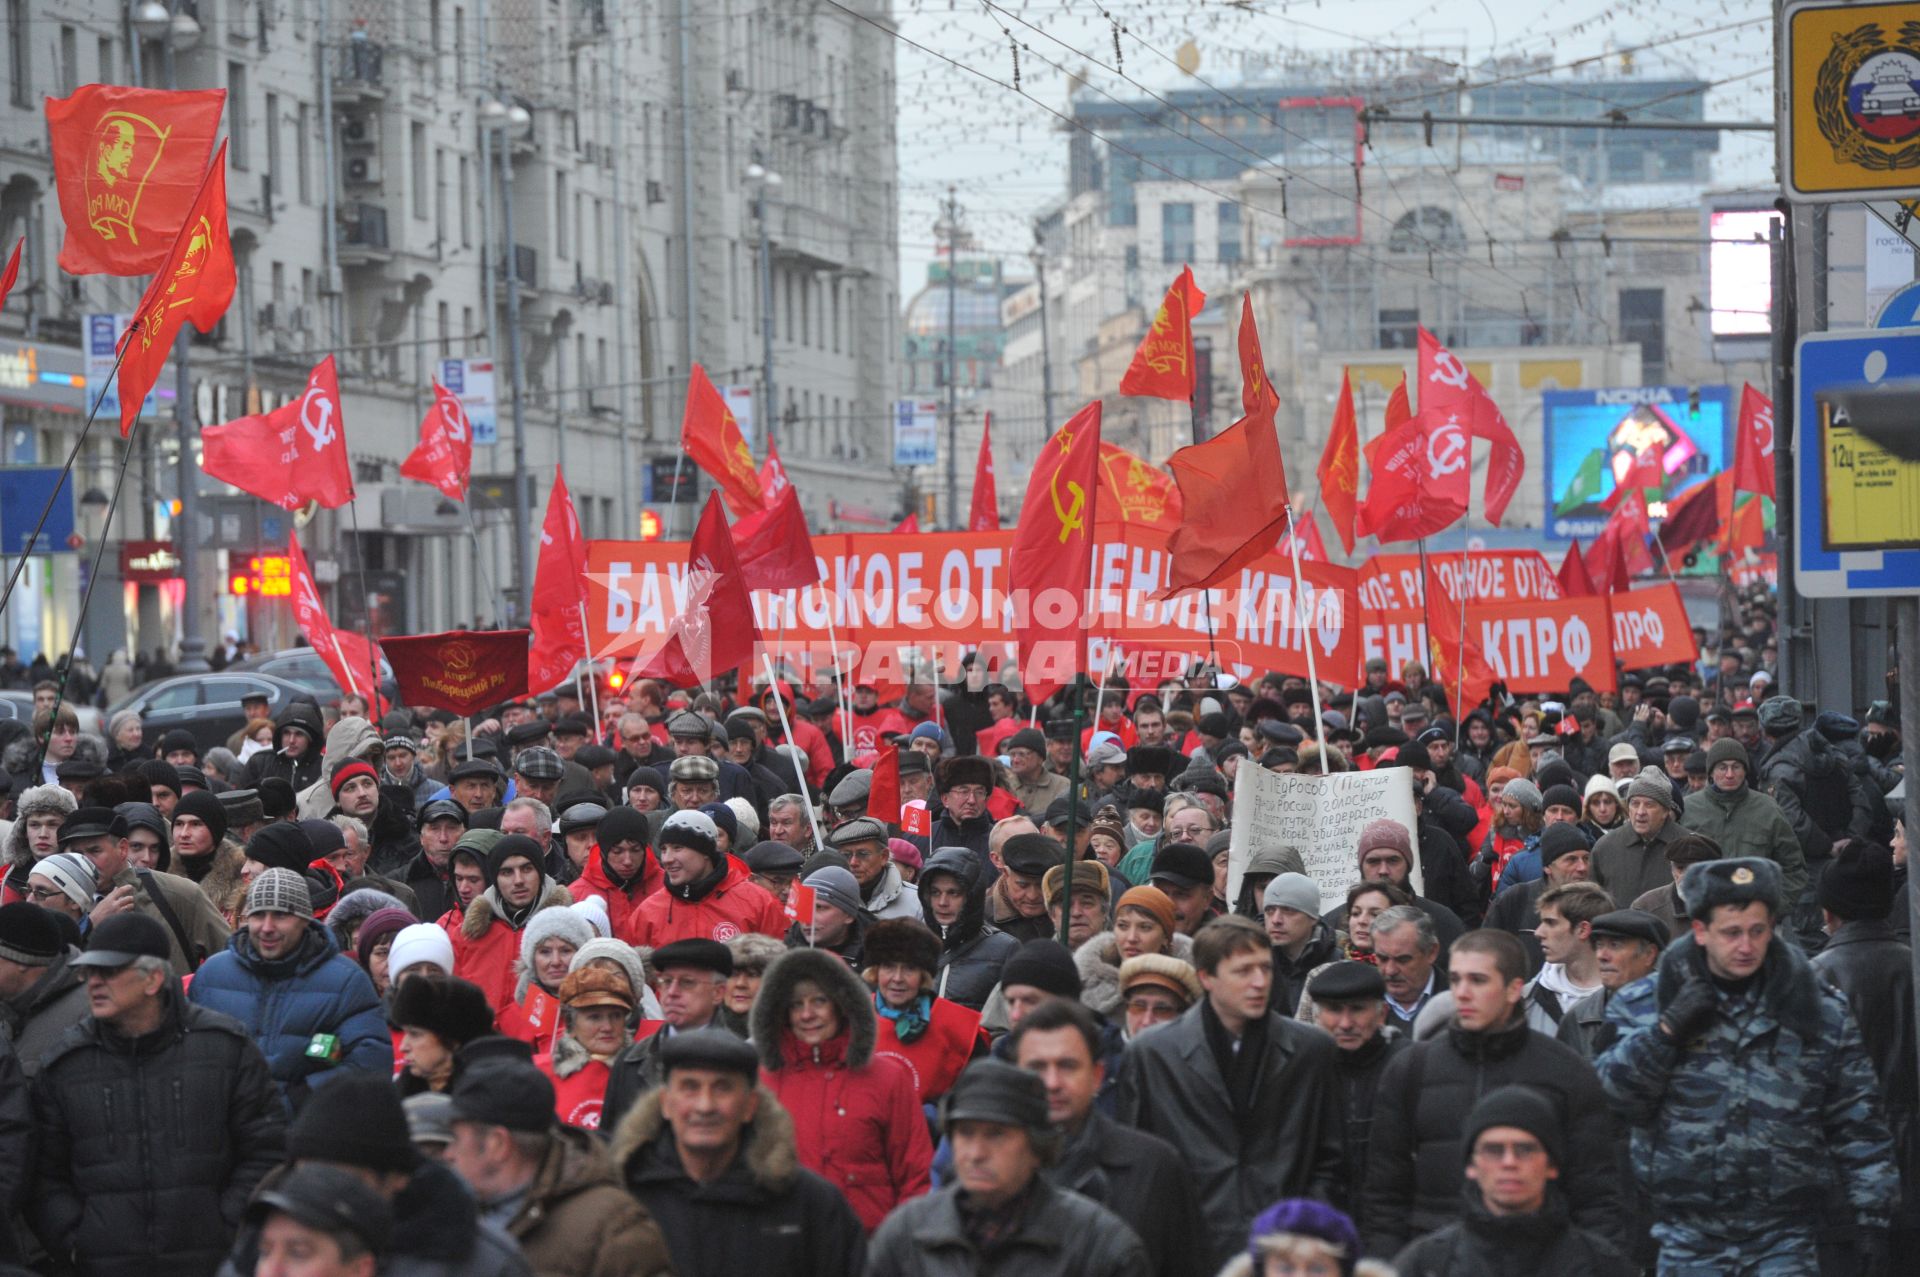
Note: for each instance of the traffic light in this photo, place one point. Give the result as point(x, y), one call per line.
point(616, 680)
point(650, 526)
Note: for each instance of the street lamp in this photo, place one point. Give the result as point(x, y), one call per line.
point(765, 182)
point(509, 120)
point(151, 19)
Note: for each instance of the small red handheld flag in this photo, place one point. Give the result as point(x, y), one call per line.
point(883, 794)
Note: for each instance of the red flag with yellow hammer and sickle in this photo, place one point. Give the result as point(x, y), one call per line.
point(127, 163)
point(712, 438)
point(193, 285)
point(1162, 367)
point(1051, 560)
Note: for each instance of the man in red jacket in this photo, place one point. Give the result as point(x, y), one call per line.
point(708, 895)
point(620, 870)
point(489, 936)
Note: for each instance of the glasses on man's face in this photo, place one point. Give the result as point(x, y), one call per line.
point(867, 855)
point(41, 895)
point(1152, 1007)
point(968, 793)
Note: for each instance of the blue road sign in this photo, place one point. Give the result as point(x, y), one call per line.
point(1902, 310)
point(1853, 502)
point(24, 492)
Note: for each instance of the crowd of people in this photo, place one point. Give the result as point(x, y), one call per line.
point(671, 988)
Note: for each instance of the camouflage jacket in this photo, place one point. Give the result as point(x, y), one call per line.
point(1742, 1131)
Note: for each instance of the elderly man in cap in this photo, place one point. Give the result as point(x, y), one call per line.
point(439, 824)
point(691, 736)
point(1632, 860)
point(155, 1119)
point(1016, 901)
point(1087, 910)
point(774, 865)
point(965, 784)
point(1626, 944)
point(552, 1187)
point(692, 782)
point(1185, 873)
point(321, 1220)
point(711, 1156)
point(537, 772)
point(312, 1009)
point(1623, 761)
point(476, 784)
point(1106, 767)
point(692, 982)
point(1004, 1140)
point(706, 893)
point(195, 930)
point(1350, 1001)
point(883, 892)
point(1749, 1091)
point(1034, 786)
point(1742, 821)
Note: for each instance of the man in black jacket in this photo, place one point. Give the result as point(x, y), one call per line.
point(953, 902)
point(710, 1154)
point(1865, 961)
point(1414, 1166)
point(1248, 1097)
point(156, 1119)
point(1137, 1176)
point(1290, 908)
point(1350, 999)
point(298, 736)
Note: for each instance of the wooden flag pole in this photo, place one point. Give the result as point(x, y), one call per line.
point(793, 753)
point(1303, 622)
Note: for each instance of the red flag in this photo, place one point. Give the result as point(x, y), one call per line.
point(716, 631)
point(12, 272)
point(444, 457)
point(559, 593)
point(1051, 559)
point(1257, 395)
point(773, 476)
point(1445, 383)
point(909, 524)
point(1001, 804)
point(712, 438)
point(295, 454)
point(883, 795)
point(1398, 414)
point(1450, 653)
point(1233, 487)
point(128, 163)
point(1753, 447)
point(350, 657)
point(1694, 515)
point(1648, 471)
point(1574, 581)
point(194, 284)
point(985, 516)
point(1747, 530)
point(1422, 479)
point(775, 548)
point(1313, 549)
point(1339, 469)
point(1131, 491)
point(1620, 551)
point(800, 902)
point(1162, 367)
point(461, 671)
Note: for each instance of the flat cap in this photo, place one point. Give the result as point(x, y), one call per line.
point(858, 830)
point(694, 769)
point(774, 857)
point(537, 762)
point(1632, 924)
point(1032, 854)
point(686, 723)
point(714, 1049)
point(1347, 982)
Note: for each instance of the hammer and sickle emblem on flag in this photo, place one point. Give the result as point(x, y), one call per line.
point(1070, 518)
point(454, 420)
point(1449, 371)
point(316, 404)
point(1446, 451)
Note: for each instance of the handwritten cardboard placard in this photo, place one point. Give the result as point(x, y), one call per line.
point(1321, 817)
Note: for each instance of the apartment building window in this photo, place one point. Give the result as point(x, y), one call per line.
point(834, 291)
point(19, 91)
point(443, 319)
point(466, 202)
point(279, 285)
point(1399, 329)
point(417, 167)
point(466, 328)
point(433, 38)
point(69, 60)
point(275, 174)
point(302, 152)
point(600, 363)
point(582, 382)
point(238, 116)
point(1176, 233)
point(1643, 319)
point(106, 61)
point(1229, 234)
point(459, 47)
point(560, 212)
point(440, 198)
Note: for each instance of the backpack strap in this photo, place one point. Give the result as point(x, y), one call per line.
point(168, 916)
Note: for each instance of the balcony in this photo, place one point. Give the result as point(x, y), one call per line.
point(363, 234)
point(359, 71)
point(526, 265)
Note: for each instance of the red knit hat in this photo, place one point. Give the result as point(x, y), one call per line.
point(348, 770)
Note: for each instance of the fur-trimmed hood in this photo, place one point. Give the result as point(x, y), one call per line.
point(766, 1147)
point(20, 755)
point(487, 906)
point(1099, 963)
point(356, 907)
point(224, 884)
point(964, 865)
point(1788, 982)
point(850, 995)
point(38, 801)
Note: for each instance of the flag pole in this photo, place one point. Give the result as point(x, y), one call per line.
point(842, 694)
point(793, 753)
point(353, 684)
point(1460, 652)
point(1303, 624)
point(593, 674)
point(366, 597)
point(468, 720)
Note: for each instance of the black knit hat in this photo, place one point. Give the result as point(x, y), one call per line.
point(1521, 1107)
point(507, 849)
point(1047, 965)
point(1560, 796)
point(452, 1009)
point(356, 1120)
point(208, 807)
point(907, 941)
point(1559, 839)
point(281, 846)
point(162, 774)
point(29, 935)
point(277, 799)
point(1858, 883)
point(623, 824)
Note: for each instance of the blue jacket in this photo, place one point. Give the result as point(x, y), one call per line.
point(284, 1003)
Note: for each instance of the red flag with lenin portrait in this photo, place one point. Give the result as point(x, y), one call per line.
point(460, 671)
point(1050, 562)
point(1446, 384)
point(350, 657)
point(711, 436)
point(559, 593)
point(444, 455)
point(128, 163)
point(1162, 367)
point(194, 284)
point(715, 630)
point(295, 454)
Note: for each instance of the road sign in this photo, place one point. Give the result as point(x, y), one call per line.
point(471, 381)
point(1850, 113)
point(916, 432)
point(24, 492)
point(1857, 508)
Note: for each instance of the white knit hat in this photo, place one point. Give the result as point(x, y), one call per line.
point(422, 942)
point(551, 924)
point(72, 873)
point(594, 910)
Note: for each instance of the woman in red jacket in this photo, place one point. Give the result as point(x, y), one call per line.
point(933, 1037)
point(856, 1116)
point(621, 870)
point(547, 946)
point(596, 1002)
